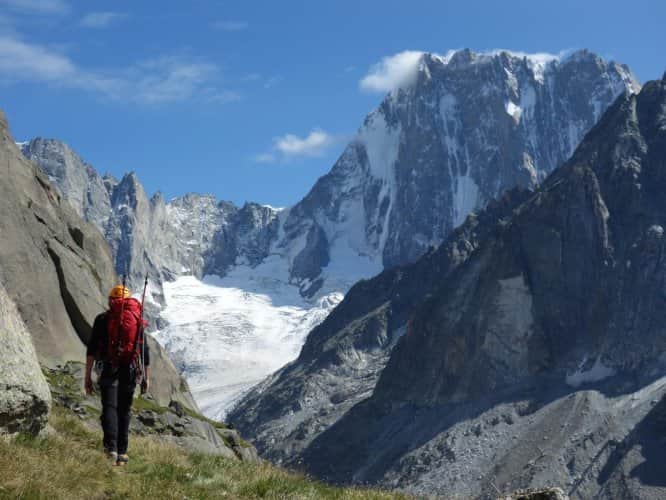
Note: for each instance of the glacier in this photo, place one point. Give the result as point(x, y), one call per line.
point(226, 334)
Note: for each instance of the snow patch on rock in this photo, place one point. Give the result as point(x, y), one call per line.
point(513, 110)
point(466, 195)
point(596, 373)
point(382, 143)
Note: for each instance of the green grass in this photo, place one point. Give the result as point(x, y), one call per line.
point(68, 463)
point(141, 404)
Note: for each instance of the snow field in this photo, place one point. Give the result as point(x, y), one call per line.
point(228, 334)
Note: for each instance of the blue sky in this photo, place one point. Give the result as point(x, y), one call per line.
point(254, 100)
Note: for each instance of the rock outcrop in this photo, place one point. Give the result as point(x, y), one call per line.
point(536, 359)
point(25, 399)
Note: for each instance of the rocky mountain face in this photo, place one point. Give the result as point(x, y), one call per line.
point(193, 234)
point(53, 265)
point(456, 147)
point(57, 269)
point(534, 354)
point(343, 357)
point(469, 127)
point(75, 180)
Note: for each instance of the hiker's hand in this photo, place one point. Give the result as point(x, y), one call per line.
point(145, 385)
point(88, 384)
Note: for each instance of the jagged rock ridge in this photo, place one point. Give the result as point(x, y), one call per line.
point(191, 234)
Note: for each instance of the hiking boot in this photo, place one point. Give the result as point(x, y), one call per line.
point(112, 456)
point(122, 460)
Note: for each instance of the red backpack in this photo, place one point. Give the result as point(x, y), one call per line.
point(125, 330)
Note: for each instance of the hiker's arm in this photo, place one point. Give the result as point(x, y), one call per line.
point(91, 353)
point(90, 360)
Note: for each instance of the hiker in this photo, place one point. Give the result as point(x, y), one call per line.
point(117, 344)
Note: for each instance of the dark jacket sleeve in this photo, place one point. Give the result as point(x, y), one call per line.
point(97, 340)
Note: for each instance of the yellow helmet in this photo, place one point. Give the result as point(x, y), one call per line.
point(119, 291)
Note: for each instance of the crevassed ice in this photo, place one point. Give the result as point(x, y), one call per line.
point(228, 334)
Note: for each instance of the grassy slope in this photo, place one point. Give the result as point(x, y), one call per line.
point(69, 464)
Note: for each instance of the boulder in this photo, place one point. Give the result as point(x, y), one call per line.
point(25, 399)
point(537, 494)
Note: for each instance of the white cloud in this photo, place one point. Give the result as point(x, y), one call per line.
point(100, 19)
point(168, 79)
point(37, 6)
point(165, 79)
point(291, 146)
point(313, 145)
point(231, 26)
point(392, 72)
point(21, 61)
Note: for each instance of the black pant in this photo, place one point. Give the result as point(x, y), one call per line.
point(117, 386)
